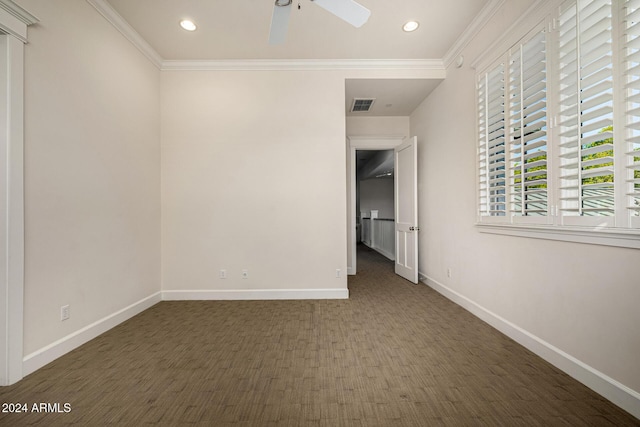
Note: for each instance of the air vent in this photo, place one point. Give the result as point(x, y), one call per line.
point(362, 105)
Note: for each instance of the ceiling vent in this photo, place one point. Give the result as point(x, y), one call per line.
point(362, 105)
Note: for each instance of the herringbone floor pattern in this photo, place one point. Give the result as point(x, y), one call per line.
point(394, 354)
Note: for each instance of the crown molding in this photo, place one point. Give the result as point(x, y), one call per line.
point(14, 20)
point(18, 12)
point(303, 64)
point(113, 17)
point(471, 31)
point(535, 14)
point(127, 30)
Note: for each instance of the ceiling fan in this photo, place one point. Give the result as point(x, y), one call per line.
point(347, 10)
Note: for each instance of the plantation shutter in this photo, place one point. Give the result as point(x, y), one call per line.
point(528, 128)
point(631, 32)
point(586, 112)
point(491, 147)
point(559, 123)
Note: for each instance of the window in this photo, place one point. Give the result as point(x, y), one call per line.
point(492, 152)
point(585, 122)
point(528, 128)
point(631, 39)
point(512, 153)
point(559, 123)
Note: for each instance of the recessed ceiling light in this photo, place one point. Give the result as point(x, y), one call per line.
point(188, 25)
point(411, 26)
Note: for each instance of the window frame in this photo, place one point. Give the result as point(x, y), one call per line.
point(482, 186)
point(519, 48)
point(483, 155)
point(621, 230)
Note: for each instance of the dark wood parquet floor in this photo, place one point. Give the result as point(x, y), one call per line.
point(394, 354)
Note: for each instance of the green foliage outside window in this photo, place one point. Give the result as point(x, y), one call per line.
point(542, 176)
point(606, 153)
point(542, 167)
point(585, 181)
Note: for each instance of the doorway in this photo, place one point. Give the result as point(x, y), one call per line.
point(375, 211)
point(355, 145)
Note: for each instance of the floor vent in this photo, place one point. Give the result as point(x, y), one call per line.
point(362, 105)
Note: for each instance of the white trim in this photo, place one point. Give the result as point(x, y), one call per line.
point(535, 14)
point(616, 392)
point(303, 64)
point(22, 14)
point(14, 20)
point(12, 209)
point(114, 18)
point(49, 353)
point(255, 294)
point(623, 238)
point(360, 142)
point(9, 24)
point(478, 23)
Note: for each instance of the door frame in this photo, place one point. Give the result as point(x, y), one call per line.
point(355, 143)
point(13, 33)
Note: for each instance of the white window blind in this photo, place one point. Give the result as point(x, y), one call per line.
point(631, 37)
point(586, 112)
point(528, 128)
point(559, 126)
point(491, 146)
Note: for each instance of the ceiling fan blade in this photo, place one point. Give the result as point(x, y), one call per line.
point(347, 10)
point(279, 22)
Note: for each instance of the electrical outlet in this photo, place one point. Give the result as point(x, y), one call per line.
point(65, 312)
point(223, 274)
point(449, 272)
point(338, 273)
point(245, 274)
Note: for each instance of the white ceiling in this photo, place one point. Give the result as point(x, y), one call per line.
point(239, 30)
point(393, 97)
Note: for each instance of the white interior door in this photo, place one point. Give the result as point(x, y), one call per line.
point(406, 207)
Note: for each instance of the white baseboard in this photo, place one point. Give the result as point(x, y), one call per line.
point(255, 294)
point(623, 396)
point(39, 358)
point(51, 352)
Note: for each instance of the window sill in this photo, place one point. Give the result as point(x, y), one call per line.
point(623, 238)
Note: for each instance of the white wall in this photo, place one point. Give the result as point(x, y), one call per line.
point(92, 172)
point(253, 178)
point(586, 310)
point(235, 147)
point(377, 194)
point(377, 126)
point(238, 151)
